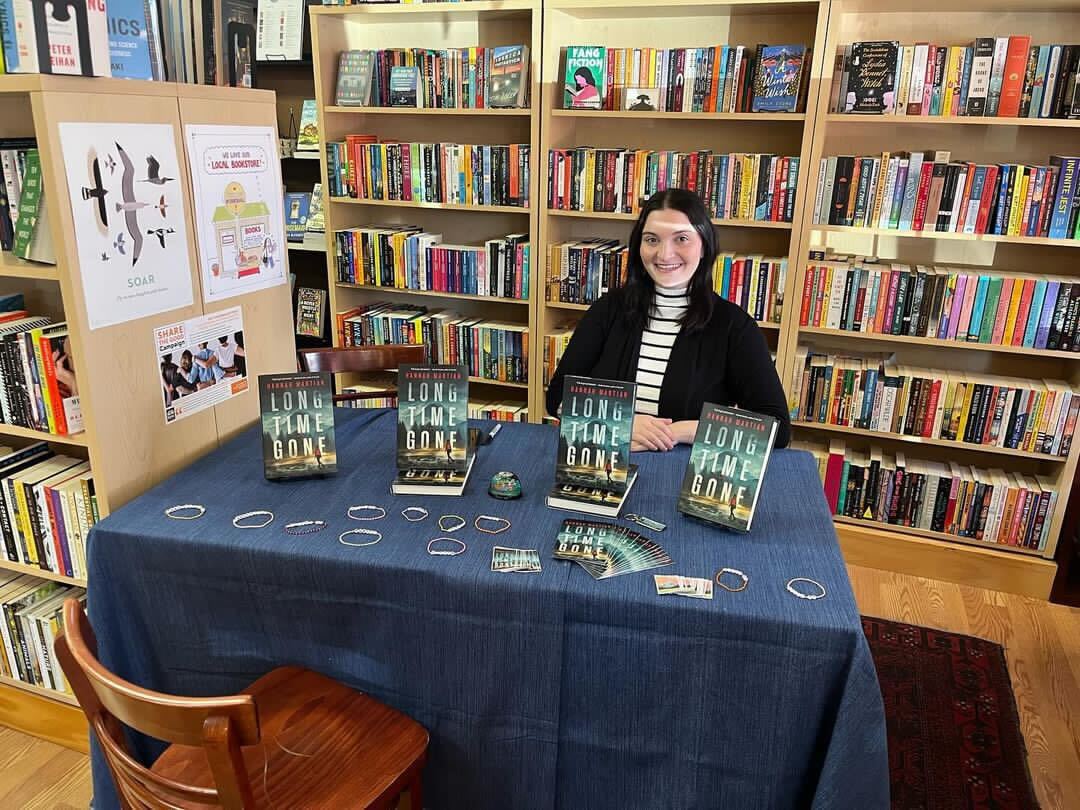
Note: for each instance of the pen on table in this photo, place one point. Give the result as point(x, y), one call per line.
point(494, 430)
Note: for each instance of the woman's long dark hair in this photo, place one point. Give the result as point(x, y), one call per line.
point(639, 285)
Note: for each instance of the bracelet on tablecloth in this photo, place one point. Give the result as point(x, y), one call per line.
point(445, 553)
point(370, 532)
point(380, 516)
point(412, 510)
point(734, 572)
point(810, 597)
point(449, 529)
point(257, 513)
point(500, 530)
point(172, 510)
point(305, 527)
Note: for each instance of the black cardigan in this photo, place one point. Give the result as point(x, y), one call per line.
point(726, 363)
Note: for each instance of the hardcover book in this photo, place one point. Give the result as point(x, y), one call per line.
point(134, 40)
point(70, 37)
point(433, 450)
point(297, 424)
point(403, 87)
point(595, 426)
point(872, 84)
point(584, 85)
point(354, 78)
point(777, 78)
point(508, 78)
point(297, 204)
point(727, 465)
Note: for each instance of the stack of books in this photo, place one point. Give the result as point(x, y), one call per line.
point(32, 620)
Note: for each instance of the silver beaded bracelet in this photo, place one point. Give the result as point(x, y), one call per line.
point(479, 528)
point(305, 527)
point(368, 532)
point(450, 529)
point(180, 507)
point(446, 552)
point(257, 513)
point(367, 506)
point(412, 510)
point(810, 597)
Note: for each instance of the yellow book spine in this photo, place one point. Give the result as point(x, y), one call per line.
point(1014, 308)
point(589, 181)
point(22, 521)
point(1016, 210)
point(965, 408)
point(953, 67)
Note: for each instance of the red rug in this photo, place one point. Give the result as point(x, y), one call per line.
point(954, 734)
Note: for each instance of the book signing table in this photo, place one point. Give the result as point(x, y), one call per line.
point(539, 690)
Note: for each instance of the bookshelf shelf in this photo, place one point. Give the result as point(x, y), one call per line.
point(937, 343)
point(956, 237)
point(942, 120)
point(488, 209)
point(76, 440)
point(500, 112)
point(14, 267)
point(303, 156)
point(500, 383)
point(434, 294)
point(51, 694)
point(727, 223)
point(567, 305)
point(33, 570)
point(314, 243)
point(784, 118)
point(413, 13)
point(938, 537)
point(897, 437)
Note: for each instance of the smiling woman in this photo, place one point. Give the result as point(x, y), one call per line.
point(670, 333)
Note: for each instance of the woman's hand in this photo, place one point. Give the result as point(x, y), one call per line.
point(652, 433)
point(684, 431)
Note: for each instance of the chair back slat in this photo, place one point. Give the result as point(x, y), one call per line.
point(214, 724)
point(359, 358)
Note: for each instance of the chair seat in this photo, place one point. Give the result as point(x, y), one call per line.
point(324, 745)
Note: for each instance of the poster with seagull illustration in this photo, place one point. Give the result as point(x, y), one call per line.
point(240, 221)
point(127, 205)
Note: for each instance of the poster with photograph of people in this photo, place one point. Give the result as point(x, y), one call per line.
point(201, 362)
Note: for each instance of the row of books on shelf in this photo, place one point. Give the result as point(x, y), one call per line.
point(971, 306)
point(581, 271)
point(47, 506)
point(37, 374)
point(876, 393)
point(492, 350)
point(992, 506)
point(1005, 77)
point(455, 173)
point(408, 258)
point(381, 382)
point(721, 78)
point(457, 78)
point(24, 224)
point(758, 187)
point(33, 618)
point(928, 191)
point(555, 343)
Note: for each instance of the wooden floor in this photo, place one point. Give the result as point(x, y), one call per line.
point(1042, 644)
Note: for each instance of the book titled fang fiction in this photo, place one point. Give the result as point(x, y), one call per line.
point(298, 425)
point(433, 424)
point(727, 465)
point(595, 427)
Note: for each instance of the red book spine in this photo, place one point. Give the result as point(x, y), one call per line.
point(989, 192)
point(807, 292)
point(931, 409)
point(1012, 82)
point(922, 195)
point(1022, 314)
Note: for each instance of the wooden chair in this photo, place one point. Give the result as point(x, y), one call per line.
point(359, 359)
point(292, 739)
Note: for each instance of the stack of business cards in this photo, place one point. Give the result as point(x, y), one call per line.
point(519, 560)
point(607, 549)
point(667, 584)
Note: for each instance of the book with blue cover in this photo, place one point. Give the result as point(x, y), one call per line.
point(297, 205)
point(777, 78)
point(134, 43)
point(727, 465)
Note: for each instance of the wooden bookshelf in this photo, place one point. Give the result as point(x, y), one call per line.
point(51, 694)
point(439, 26)
point(985, 140)
point(681, 24)
point(126, 439)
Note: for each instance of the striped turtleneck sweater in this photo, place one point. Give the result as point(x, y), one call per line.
point(665, 321)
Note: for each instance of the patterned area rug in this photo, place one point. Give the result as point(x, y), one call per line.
point(954, 734)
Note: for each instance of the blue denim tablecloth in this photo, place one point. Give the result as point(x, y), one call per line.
point(547, 690)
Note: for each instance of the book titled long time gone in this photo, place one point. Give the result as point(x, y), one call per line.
point(297, 425)
point(433, 429)
point(595, 427)
point(727, 465)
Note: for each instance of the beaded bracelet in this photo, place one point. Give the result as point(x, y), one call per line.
point(171, 511)
point(449, 529)
point(810, 597)
point(446, 553)
point(380, 516)
point(414, 509)
point(501, 529)
point(734, 572)
point(305, 527)
point(269, 519)
point(370, 532)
